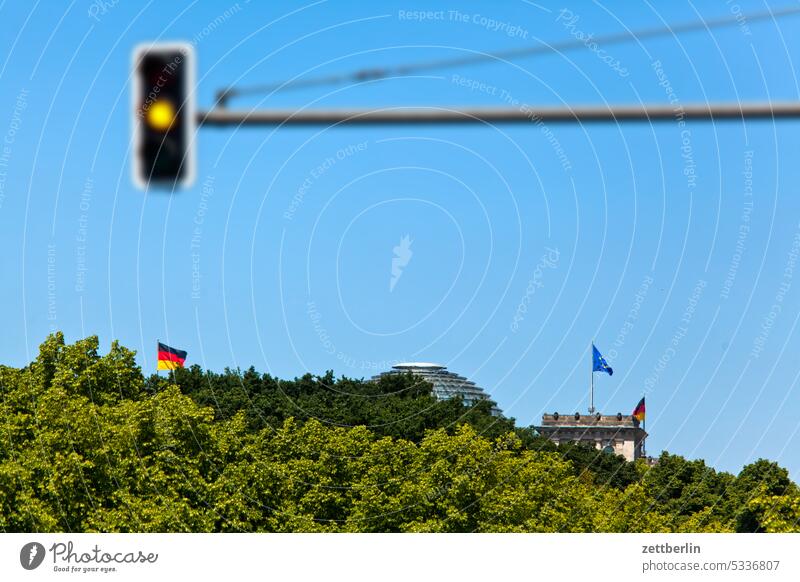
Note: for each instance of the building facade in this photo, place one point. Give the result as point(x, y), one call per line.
point(618, 434)
point(445, 384)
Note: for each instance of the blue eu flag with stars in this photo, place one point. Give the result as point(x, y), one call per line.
point(599, 363)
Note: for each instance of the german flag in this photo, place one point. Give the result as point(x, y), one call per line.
point(638, 412)
point(170, 358)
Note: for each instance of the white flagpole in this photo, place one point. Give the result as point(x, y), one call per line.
point(644, 428)
point(591, 383)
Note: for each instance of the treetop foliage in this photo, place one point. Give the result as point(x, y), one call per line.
point(88, 444)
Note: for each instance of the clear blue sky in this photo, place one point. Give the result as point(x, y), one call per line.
point(670, 246)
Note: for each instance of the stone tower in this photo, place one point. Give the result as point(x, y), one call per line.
point(618, 434)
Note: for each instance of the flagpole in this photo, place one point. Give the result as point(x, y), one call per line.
point(644, 428)
point(591, 382)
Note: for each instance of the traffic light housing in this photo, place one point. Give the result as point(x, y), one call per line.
point(164, 115)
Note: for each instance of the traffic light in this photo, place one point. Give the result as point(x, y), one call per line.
point(164, 115)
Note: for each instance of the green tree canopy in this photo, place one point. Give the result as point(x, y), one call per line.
point(88, 444)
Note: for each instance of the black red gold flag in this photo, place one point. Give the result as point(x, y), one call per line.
point(639, 412)
point(170, 358)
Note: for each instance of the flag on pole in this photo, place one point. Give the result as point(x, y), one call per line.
point(170, 358)
point(599, 363)
point(638, 412)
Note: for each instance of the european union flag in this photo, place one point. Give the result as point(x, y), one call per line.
point(599, 363)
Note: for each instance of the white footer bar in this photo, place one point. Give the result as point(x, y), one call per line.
point(356, 557)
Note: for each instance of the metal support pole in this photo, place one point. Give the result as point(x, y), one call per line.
point(591, 383)
point(644, 440)
point(221, 116)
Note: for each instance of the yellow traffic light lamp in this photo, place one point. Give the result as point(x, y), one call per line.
point(161, 115)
